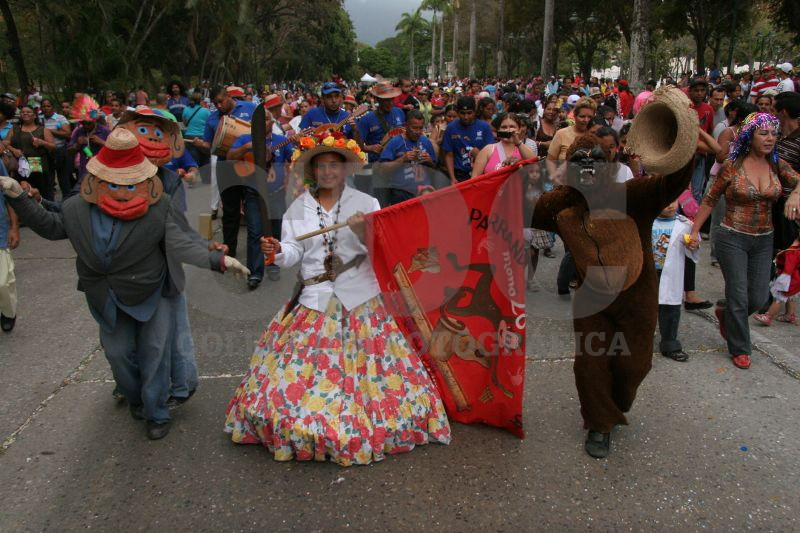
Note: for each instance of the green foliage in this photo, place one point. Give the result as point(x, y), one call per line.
point(121, 43)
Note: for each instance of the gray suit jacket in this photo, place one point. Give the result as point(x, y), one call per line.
point(138, 265)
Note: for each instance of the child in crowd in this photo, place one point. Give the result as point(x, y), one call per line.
point(669, 250)
point(784, 287)
point(9, 239)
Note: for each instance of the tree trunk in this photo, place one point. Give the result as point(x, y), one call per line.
point(455, 43)
point(639, 44)
point(411, 55)
point(15, 49)
point(441, 46)
point(500, 38)
point(473, 37)
point(433, 45)
point(548, 68)
point(700, 44)
point(717, 47)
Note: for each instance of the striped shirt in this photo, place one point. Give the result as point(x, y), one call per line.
point(789, 149)
point(748, 210)
point(761, 86)
point(55, 122)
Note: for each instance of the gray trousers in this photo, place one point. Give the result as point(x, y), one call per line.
point(138, 353)
point(745, 262)
point(183, 365)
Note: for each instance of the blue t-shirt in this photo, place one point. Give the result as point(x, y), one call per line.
point(460, 139)
point(243, 110)
point(317, 116)
point(372, 131)
point(279, 158)
point(185, 162)
point(195, 118)
point(408, 176)
point(177, 105)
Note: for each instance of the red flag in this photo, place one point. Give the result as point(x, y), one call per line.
point(452, 268)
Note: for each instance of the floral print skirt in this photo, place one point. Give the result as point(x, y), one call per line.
point(342, 385)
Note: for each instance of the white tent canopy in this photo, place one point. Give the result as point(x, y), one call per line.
point(366, 78)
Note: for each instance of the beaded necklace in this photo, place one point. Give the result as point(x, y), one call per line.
point(332, 262)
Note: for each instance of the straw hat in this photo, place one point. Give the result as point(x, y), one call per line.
point(273, 100)
point(664, 132)
point(352, 160)
point(121, 161)
point(385, 89)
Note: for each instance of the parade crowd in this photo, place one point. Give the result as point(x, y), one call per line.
point(404, 139)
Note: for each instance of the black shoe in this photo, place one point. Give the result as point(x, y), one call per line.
point(176, 401)
point(7, 324)
point(253, 284)
point(137, 411)
point(274, 275)
point(117, 395)
point(694, 306)
point(157, 430)
point(548, 253)
point(598, 445)
point(677, 355)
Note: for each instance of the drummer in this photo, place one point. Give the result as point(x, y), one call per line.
point(230, 189)
point(331, 112)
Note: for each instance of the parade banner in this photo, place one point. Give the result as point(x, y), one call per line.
point(452, 268)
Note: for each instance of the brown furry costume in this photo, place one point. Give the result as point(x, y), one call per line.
point(615, 309)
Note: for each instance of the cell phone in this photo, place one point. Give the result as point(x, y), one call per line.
point(505, 134)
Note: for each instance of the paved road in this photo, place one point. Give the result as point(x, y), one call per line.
point(708, 446)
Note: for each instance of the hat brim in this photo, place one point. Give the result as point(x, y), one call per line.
point(351, 159)
point(393, 93)
point(122, 176)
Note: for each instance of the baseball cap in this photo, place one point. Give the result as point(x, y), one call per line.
point(785, 67)
point(572, 100)
point(330, 87)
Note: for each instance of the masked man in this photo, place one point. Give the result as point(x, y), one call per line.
point(122, 228)
point(161, 142)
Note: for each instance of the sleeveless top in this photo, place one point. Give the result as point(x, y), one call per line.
point(23, 140)
point(498, 156)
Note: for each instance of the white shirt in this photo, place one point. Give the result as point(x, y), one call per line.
point(785, 86)
point(354, 286)
point(623, 173)
point(670, 288)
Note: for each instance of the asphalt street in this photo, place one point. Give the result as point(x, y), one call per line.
point(708, 447)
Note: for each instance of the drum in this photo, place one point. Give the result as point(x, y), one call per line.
point(228, 130)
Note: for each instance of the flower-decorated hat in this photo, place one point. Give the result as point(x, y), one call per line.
point(308, 147)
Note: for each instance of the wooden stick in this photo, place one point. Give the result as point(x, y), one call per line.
point(320, 231)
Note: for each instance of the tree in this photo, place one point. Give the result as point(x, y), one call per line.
point(547, 41)
point(639, 43)
point(456, 4)
point(473, 40)
point(15, 48)
point(436, 6)
point(409, 25)
point(786, 14)
point(500, 37)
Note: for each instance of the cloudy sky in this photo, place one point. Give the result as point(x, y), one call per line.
point(375, 20)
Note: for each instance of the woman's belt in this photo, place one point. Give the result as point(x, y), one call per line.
point(332, 275)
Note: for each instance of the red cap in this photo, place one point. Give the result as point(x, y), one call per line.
point(234, 91)
point(272, 100)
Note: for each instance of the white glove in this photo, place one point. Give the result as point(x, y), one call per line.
point(11, 187)
point(238, 269)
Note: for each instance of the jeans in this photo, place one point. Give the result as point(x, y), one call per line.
point(183, 365)
point(717, 215)
point(745, 261)
point(62, 163)
point(138, 353)
point(566, 273)
point(699, 177)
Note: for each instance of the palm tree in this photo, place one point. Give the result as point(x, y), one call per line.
point(500, 37)
point(409, 24)
point(473, 40)
point(547, 42)
point(456, 4)
point(436, 6)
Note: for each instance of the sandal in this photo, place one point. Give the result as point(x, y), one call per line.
point(741, 361)
point(763, 318)
point(789, 318)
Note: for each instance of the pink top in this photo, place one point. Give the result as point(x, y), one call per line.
point(498, 156)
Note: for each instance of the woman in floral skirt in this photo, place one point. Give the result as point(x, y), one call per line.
point(333, 376)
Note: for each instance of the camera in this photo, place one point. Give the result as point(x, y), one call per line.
point(505, 134)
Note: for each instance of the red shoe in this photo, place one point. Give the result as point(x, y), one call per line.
point(741, 361)
point(763, 318)
point(789, 318)
point(719, 312)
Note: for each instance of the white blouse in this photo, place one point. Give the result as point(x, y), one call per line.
point(354, 286)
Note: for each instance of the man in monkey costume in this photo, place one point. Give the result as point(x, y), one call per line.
point(607, 227)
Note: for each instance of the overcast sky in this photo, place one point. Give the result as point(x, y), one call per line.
point(375, 20)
